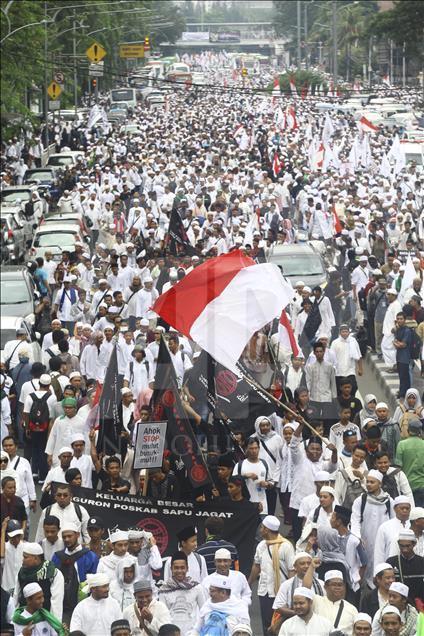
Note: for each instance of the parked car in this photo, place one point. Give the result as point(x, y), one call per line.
point(300, 262)
point(8, 327)
point(12, 238)
point(44, 179)
point(71, 217)
point(17, 196)
point(55, 237)
point(64, 159)
point(17, 292)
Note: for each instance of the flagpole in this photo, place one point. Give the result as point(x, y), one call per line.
point(295, 415)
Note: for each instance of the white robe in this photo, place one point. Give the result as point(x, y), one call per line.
point(94, 618)
point(386, 540)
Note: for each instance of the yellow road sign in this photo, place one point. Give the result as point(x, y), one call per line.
point(95, 53)
point(54, 90)
point(131, 50)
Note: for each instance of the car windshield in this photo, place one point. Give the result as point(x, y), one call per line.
point(10, 197)
point(299, 264)
point(39, 176)
point(5, 336)
point(60, 161)
point(59, 239)
point(14, 292)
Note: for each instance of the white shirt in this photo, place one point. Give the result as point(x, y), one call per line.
point(239, 586)
point(65, 515)
point(51, 402)
point(11, 350)
point(50, 548)
point(257, 493)
point(138, 375)
point(25, 486)
point(304, 472)
point(85, 466)
point(316, 626)
point(263, 558)
point(161, 616)
point(347, 353)
point(12, 563)
point(181, 363)
point(43, 628)
point(94, 618)
point(329, 610)
point(61, 434)
point(197, 569)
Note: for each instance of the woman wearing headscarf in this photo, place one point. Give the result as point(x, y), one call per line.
point(409, 410)
point(122, 587)
point(286, 471)
point(368, 410)
point(269, 449)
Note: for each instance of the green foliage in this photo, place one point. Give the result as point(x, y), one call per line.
point(302, 79)
point(403, 24)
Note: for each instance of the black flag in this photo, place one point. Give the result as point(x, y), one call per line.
point(179, 244)
point(110, 413)
point(312, 323)
point(167, 405)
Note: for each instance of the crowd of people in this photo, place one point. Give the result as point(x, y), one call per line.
point(337, 480)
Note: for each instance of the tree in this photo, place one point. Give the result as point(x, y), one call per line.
point(402, 24)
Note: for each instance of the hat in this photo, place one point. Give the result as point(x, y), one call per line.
point(65, 449)
point(401, 499)
point(118, 535)
point(328, 489)
point(416, 513)
point(222, 553)
point(45, 379)
point(77, 437)
point(391, 291)
point(217, 580)
point(97, 580)
point(400, 588)
point(380, 567)
point(30, 589)
point(241, 628)
point(135, 534)
point(144, 322)
point(121, 623)
point(186, 533)
point(125, 390)
point(301, 555)
point(304, 591)
point(68, 526)
point(299, 283)
point(34, 549)
point(143, 584)
point(272, 523)
point(322, 475)
point(333, 574)
point(415, 425)
point(362, 616)
point(375, 474)
point(407, 535)
point(381, 405)
point(69, 401)
point(20, 332)
point(74, 374)
point(389, 609)
point(14, 528)
point(95, 522)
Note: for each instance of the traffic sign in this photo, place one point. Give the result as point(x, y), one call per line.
point(131, 50)
point(59, 78)
point(54, 104)
point(54, 90)
point(95, 53)
point(96, 70)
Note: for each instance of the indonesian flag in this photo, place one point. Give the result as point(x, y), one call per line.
point(223, 302)
point(357, 87)
point(386, 80)
point(337, 224)
point(291, 119)
point(276, 88)
point(276, 165)
point(286, 334)
point(293, 88)
point(304, 93)
point(318, 157)
point(365, 125)
point(238, 131)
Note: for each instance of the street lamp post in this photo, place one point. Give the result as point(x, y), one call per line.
point(334, 24)
point(46, 97)
point(299, 26)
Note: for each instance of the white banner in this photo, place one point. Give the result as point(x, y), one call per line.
point(149, 444)
point(195, 36)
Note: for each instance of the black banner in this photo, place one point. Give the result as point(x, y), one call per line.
point(227, 394)
point(165, 518)
point(179, 243)
point(166, 402)
point(109, 410)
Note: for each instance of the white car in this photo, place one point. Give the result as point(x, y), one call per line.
point(55, 237)
point(8, 327)
point(64, 159)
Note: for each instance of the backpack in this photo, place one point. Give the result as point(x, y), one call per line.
point(414, 345)
point(67, 565)
point(216, 625)
point(389, 483)
point(39, 415)
point(407, 416)
point(57, 388)
point(354, 490)
point(145, 362)
point(364, 502)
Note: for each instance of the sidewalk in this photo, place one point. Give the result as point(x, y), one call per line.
point(390, 381)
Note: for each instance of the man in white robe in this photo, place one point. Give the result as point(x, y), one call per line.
point(95, 614)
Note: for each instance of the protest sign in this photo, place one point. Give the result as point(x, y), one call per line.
point(149, 445)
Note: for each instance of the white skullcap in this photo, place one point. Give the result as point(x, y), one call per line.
point(362, 616)
point(375, 474)
point(407, 535)
point(77, 437)
point(31, 589)
point(65, 449)
point(304, 591)
point(118, 535)
point(322, 475)
point(299, 283)
point(392, 291)
point(33, 548)
point(401, 499)
point(380, 567)
point(328, 489)
point(301, 555)
point(144, 322)
point(416, 513)
point(217, 580)
point(333, 574)
point(222, 553)
point(400, 588)
point(381, 405)
point(125, 390)
point(272, 523)
point(243, 628)
point(75, 374)
point(390, 609)
point(98, 579)
point(45, 379)
point(135, 534)
point(68, 526)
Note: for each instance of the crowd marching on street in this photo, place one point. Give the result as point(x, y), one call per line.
point(335, 475)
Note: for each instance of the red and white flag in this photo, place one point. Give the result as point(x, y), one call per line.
point(238, 131)
point(337, 224)
point(365, 125)
point(286, 334)
point(221, 304)
point(293, 88)
point(276, 165)
point(386, 80)
point(318, 157)
point(276, 92)
point(291, 119)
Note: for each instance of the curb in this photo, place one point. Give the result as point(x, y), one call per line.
point(390, 381)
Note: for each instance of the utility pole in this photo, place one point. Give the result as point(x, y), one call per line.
point(320, 53)
point(370, 62)
point(74, 52)
point(305, 30)
point(404, 65)
point(299, 26)
point(334, 24)
point(391, 62)
point(46, 80)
